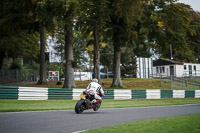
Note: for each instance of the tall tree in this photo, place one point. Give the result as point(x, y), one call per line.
point(124, 15)
point(167, 27)
point(45, 17)
point(193, 36)
point(94, 15)
point(69, 9)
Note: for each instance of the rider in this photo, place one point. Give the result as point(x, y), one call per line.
point(94, 89)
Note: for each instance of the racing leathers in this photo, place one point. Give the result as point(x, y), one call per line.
point(94, 89)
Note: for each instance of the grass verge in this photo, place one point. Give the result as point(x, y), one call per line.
point(17, 105)
point(178, 124)
point(131, 83)
point(128, 83)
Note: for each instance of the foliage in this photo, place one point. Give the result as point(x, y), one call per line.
point(193, 38)
point(106, 57)
point(55, 67)
point(79, 47)
point(128, 63)
point(124, 15)
point(143, 27)
point(17, 38)
point(169, 24)
point(33, 66)
point(16, 65)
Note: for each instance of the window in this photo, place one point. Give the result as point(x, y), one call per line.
point(194, 67)
point(160, 69)
point(185, 67)
point(163, 69)
point(157, 69)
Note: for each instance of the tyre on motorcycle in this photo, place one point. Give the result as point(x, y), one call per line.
point(79, 108)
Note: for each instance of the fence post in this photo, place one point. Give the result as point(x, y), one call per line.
point(186, 82)
point(160, 80)
point(171, 83)
point(182, 83)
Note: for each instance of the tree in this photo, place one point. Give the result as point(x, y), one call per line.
point(128, 63)
point(124, 15)
point(93, 18)
point(168, 26)
point(69, 15)
point(44, 14)
point(18, 36)
point(193, 36)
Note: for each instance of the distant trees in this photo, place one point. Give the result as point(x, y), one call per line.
point(164, 24)
point(128, 28)
point(17, 30)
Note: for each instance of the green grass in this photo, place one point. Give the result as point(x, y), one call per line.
point(178, 124)
point(128, 83)
point(18, 105)
point(132, 83)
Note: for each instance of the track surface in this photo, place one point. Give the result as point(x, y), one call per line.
point(68, 121)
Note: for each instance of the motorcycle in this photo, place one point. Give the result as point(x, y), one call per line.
point(85, 102)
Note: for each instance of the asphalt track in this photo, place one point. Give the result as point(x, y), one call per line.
point(68, 121)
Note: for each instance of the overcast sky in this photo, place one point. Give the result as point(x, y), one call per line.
point(195, 4)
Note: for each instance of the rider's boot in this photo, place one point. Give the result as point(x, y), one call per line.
point(93, 101)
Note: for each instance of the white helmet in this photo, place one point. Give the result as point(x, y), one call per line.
point(95, 80)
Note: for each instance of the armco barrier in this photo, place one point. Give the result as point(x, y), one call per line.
point(35, 93)
point(166, 94)
point(189, 94)
point(138, 94)
point(109, 94)
point(197, 93)
point(60, 93)
point(8, 92)
point(122, 94)
point(153, 94)
point(76, 93)
point(178, 93)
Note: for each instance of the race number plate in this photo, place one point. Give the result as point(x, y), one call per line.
point(82, 96)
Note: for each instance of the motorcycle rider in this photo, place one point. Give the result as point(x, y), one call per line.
point(94, 89)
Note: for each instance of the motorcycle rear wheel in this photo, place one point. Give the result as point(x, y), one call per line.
point(79, 108)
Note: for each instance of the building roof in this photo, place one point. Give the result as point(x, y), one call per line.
point(162, 62)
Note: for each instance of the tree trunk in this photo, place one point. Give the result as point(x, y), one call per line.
point(96, 54)
point(42, 79)
point(116, 63)
point(69, 70)
point(2, 56)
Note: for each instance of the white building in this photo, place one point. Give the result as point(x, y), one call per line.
point(165, 68)
point(144, 67)
point(54, 56)
point(82, 75)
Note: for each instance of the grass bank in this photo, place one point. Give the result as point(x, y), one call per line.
point(128, 83)
point(134, 83)
point(31, 105)
point(178, 124)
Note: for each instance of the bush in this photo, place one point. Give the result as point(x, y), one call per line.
point(16, 65)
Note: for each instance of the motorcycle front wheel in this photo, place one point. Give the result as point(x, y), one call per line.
point(79, 108)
